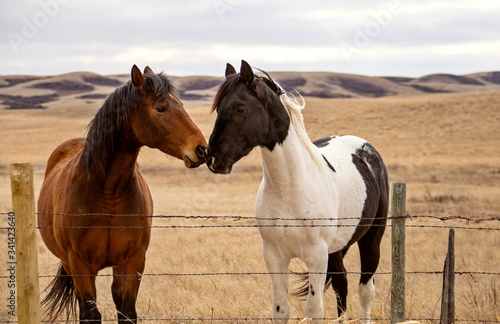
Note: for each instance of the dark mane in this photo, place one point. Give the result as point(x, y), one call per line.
point(231, 81)
point(111, 121)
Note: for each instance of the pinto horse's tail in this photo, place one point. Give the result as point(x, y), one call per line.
point(61, 297)
point(335, 268)
point(303, 280)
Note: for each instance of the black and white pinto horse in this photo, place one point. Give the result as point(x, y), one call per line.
point(315, 199)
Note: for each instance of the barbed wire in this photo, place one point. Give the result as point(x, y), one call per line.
point(256, 226)
point(290, 272)
point(239, 217)
point(212, 274)
point(256, 319)
point(262, 226)
point(468, 220)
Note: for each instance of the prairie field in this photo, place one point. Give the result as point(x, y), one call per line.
point(445, 147)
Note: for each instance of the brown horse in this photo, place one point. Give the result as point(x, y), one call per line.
point(94, 205)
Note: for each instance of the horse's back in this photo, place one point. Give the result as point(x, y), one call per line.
point(352, 150)
point(361, 177)
point(354, 156)
point(58, 176)
point(66, 150)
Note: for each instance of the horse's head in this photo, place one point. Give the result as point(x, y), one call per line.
point(249, 114)
point(161, 121)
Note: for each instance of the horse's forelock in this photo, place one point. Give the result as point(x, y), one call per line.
point(224, 89)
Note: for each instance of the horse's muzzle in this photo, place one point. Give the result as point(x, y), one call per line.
point(217, 167)
point(201, 154)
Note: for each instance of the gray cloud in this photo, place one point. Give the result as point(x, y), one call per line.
point(199, 36)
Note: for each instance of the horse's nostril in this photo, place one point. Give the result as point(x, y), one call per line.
point(211, 164)
point(201, 152)
point(210, 161)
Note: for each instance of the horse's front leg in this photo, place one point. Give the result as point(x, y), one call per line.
point(126, 282)
point(277, 266)
point(317, 262)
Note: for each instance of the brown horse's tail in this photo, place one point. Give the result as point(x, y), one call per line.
point(61, 297)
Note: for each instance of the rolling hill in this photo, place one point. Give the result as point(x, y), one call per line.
point(32, 92)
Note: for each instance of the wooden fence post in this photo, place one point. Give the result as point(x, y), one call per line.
point(23, 205)
point(398, 208)
point(448, 295)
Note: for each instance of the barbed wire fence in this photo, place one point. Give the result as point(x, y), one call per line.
point(479, 223)
point(443, 219)
point(476, 221)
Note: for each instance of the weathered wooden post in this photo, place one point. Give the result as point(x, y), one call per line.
point(448, 295)
point(23, 205)
point(398, 208)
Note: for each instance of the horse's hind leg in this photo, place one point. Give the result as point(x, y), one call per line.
point(85, 290)
point(338, 276)
point(369, 250)
point(126, 282)
point(88, 311)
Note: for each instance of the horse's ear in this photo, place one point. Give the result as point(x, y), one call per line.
point(230, 70)
point(147, 69)
point(246, 73)
point(137, 78)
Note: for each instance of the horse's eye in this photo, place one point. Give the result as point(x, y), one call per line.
point(240, 109)
point(161, 109)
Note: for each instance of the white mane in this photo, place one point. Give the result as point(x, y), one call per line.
point(293, 107)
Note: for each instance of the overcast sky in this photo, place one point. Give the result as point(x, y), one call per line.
point(197, 37)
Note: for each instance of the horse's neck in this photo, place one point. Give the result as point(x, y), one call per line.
point(119, 169)
point(288, 164)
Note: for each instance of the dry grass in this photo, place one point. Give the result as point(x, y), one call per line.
point(445, 147)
